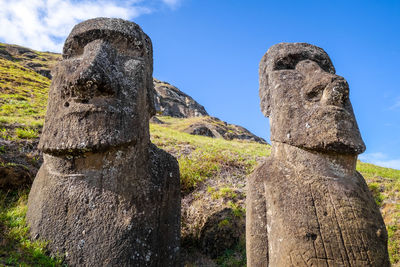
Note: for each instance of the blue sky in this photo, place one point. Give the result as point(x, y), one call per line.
point(211, 49)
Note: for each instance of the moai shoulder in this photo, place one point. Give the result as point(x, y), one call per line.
point(105, 195)
point(307, 205)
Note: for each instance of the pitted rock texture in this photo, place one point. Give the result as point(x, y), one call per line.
point(316, 112)
point(103, 86)
point(170, 101)
point(105, 196)
point(306, 204)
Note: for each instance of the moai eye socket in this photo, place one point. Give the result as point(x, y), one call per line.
point(314, 94)
point(288, 62)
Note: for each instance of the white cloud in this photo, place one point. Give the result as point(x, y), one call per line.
point(44, 24)
point(396, 105)
point(381, 159)
point(171, 3)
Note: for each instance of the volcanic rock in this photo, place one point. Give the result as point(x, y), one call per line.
point(170, 101)
point(105, 196)
point(214, 127)
point(306, 204)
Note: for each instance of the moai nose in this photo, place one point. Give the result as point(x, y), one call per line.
point(330, 88)
point(93, 72)
point(336, 92)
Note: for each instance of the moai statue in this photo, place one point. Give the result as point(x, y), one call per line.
point(105, 196)
point(306, 204)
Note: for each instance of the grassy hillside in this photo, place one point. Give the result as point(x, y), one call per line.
point(23, 91)
point(23, 94)
point(213, 172)
point(41, 62)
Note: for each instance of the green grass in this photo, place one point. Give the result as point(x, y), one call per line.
point(394, 242)
point(371, 170)
point(237, 210)
point(45, 59)
point(218, 127)
point(16, 249)
point(23, 100)
point(4, 134)
point(376, 192)
point(25, 133)
point(23, 94)
point(224, 192)
point(181, 124)
point(19, 133)
point(201, 158)
point(384, 184)
point(235, 257)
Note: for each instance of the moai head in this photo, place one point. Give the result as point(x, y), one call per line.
point(101, 95)
point(308, 104)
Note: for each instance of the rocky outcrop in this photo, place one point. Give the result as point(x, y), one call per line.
point(215, 128)
point(170, 101)
point(105, 196)
point(306, 204)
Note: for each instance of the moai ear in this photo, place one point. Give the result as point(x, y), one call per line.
point(151, 98)
point(264, 92)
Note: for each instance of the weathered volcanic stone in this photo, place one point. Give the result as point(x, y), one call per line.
point(306, 204)
point(105, 196)
point(215, 128)
point(170, 101)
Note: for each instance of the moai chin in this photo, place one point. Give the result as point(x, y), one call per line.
point(105, 196)
point(306, 204)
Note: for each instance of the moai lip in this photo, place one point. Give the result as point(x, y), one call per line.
point(105, 196)
point(306, 204)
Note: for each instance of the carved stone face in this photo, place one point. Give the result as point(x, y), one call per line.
point(101, 93)
point(308, 104)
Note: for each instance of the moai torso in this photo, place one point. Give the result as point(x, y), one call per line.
point(307, 205)
point(104, 194)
